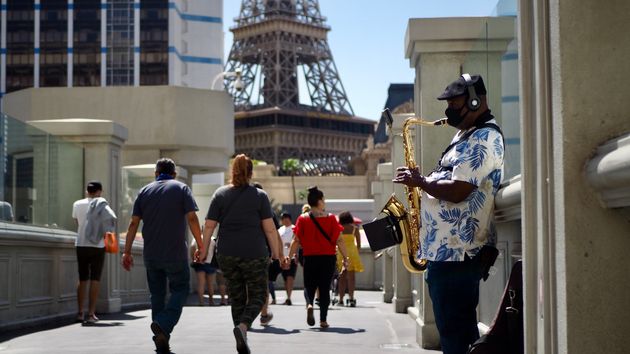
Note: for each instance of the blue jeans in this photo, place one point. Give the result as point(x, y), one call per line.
point(166, 314)
point(454, 291)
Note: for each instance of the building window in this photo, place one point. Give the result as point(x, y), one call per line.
point(87, 43)
point(53, 43)
point(20, 45)
point(120, 33)
point(154, 42)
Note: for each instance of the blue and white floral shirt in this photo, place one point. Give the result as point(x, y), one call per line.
point(449, 230)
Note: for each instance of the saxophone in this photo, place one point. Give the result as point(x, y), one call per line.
point(409, 220)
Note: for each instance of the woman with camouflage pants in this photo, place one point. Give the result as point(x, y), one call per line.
point(245, 216)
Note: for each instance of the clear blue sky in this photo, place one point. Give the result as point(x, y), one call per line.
point(367, 41)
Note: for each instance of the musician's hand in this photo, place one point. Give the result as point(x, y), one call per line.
point(408, 176)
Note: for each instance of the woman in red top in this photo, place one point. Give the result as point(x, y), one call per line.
point(319, 248)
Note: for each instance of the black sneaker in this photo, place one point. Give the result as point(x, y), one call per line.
point(241, 341)
point(160, 339)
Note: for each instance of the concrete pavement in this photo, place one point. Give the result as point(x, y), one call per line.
point(371, 327)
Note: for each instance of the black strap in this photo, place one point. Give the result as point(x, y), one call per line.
point(320, 228)
point(464, 138)
point(229, 207)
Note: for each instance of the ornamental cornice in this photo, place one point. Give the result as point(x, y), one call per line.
point(507, 203)
point(608, 172)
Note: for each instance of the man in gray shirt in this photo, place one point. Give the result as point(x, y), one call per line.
point(165, 206)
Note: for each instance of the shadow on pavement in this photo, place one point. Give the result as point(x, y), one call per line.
point(69, 321)
point(120, 316)
point(340, 330)
point(103, 324)
point(274, 330)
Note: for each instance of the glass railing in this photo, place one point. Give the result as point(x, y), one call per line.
point(40, 176)
point(495, 57)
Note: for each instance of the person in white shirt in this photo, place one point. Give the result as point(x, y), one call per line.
point(286, 234)
point(90, 245)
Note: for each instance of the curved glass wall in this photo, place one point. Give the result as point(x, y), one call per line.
point(41, 176)
point(495, 57)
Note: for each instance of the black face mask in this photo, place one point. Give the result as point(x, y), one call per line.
point(453, 117)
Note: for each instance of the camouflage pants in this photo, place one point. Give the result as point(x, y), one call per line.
point(247, 286)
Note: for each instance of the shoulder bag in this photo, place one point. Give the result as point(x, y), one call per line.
point(319, 227)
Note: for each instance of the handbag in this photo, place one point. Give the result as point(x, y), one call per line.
point(111, 242)
point(382, 233)
point(214, 262)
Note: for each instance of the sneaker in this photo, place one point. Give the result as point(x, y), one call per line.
point(324, 325)
point(265, 319)
point(92, 319)
point(340, 303)
point(353, 303)
point(310, 319)
point(160, 339)
point(288, 302)
point(241, 341)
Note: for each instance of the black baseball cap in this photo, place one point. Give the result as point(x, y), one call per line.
point(458, 87)
point(94, 186)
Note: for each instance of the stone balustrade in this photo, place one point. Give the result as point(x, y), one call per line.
point(38, 277)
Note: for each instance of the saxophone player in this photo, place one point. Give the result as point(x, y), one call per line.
point(457, 205)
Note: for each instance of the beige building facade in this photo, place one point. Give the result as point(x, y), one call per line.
point(195, 127)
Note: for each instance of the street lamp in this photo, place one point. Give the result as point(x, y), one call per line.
point(239, 85)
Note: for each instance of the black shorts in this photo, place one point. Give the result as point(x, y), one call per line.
point(90, 261)
point(290, 272)
point(274, 270)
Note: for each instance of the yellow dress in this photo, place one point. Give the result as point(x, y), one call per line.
point(353, 252)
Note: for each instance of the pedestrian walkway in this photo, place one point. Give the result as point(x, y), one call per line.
point(371, 327)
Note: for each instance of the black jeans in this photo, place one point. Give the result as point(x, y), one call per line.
point(454, 291)
point(318, 273)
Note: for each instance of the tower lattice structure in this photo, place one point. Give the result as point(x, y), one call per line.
point(275, 41)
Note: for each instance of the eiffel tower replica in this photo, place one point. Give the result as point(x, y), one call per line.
point(274, 42)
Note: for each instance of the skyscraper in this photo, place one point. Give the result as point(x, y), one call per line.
point(73, 43)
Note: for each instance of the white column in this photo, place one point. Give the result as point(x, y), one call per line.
point(70, 41)
point(103, 43)
point(136, 43)
point(36, 44)
point(3, 45)
point(102, 143)
point(173, 42)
